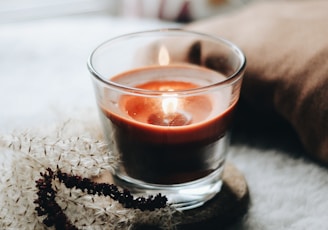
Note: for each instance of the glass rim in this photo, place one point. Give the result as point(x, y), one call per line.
point(228, 81)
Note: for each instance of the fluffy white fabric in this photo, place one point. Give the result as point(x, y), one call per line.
point(45, 81)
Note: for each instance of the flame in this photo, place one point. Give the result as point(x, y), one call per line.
point(163, 56)
point(170, 103)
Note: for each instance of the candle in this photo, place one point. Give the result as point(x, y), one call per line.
point(169, 138)
point(166, 103)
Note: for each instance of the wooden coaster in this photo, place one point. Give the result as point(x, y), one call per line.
point(226, 207)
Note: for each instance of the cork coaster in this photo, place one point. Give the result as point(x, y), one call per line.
point(226, 207)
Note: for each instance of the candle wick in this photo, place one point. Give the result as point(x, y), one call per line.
point(170, 119)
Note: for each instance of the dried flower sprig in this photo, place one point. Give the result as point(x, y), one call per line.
point(46, 204)
point(24, 154)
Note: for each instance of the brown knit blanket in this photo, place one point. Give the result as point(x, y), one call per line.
point(286, 46)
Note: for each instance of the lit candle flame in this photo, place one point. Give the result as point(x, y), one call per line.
point(163, 56)
point(170, 103)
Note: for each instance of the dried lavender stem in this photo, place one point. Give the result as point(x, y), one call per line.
point(55, 215)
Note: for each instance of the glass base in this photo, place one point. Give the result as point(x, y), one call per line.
point(182, 196)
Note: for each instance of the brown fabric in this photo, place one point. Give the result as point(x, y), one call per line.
point(286, 45)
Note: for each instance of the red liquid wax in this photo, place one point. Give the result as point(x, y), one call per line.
point(164, 154)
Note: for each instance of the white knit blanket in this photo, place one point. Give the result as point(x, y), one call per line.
point(45, 82)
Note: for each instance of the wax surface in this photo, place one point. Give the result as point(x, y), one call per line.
point(140, 109)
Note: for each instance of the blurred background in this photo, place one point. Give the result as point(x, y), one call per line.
point(171, 10)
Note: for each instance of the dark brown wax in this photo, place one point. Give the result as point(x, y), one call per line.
point(164, 154)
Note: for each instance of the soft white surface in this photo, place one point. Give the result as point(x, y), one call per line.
point(44, 80)
point(43, 66)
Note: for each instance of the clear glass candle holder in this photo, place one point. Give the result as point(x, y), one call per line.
point(166, 99)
